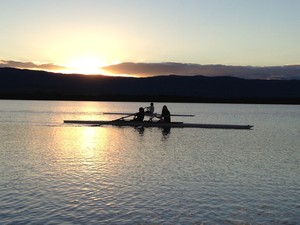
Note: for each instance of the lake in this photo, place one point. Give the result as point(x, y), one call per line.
point(56, 173)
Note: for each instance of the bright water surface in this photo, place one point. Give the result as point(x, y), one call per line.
point(52, 173)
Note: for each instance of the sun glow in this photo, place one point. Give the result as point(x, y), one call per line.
point(89, 65)
point(85, 65)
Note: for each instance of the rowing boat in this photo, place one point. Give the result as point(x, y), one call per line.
point(157, 124)
point(147, 114)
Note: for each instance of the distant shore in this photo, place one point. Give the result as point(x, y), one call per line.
point(179, 99)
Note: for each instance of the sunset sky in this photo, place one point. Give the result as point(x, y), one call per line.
point(82, 36)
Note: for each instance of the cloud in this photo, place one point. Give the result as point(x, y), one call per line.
point(150, 69)
point(167, 68)
point(30, 65)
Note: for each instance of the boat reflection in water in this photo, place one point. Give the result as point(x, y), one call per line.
point(164, 130)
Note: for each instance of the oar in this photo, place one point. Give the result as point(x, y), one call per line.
point(124, 117)
point(96, 125)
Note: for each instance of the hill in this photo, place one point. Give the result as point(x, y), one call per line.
point(30, 84)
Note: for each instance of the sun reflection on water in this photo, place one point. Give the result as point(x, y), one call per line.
point(89, 140)
point(80, 150)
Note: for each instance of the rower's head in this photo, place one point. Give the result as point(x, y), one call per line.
point(151, 103)
point(141, 110)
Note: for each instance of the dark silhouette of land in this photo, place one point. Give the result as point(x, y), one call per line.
point(41, 85)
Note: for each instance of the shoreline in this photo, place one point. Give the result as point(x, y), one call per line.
point(148, 98)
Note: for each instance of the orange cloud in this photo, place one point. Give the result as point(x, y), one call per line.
point(168, 68)
point(29, 65)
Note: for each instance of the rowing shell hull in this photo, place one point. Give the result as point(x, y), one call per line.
point(157, 124)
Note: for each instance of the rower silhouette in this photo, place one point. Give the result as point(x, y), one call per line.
point(165, 115)
point(150, 109)
point(140, 115)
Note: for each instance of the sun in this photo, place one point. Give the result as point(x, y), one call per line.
point(89, 65)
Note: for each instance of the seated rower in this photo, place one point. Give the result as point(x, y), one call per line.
point(150, 109)
point(165, 115)
point(140, 115)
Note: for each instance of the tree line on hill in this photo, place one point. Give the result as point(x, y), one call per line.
point(31, 84)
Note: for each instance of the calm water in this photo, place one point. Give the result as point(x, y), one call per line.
point(53, 173)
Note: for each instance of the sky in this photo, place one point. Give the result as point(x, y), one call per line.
point(88, 36)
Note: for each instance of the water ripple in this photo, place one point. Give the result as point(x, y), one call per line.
point(106, 175)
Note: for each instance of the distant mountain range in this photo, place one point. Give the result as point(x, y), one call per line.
point(31, 84)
